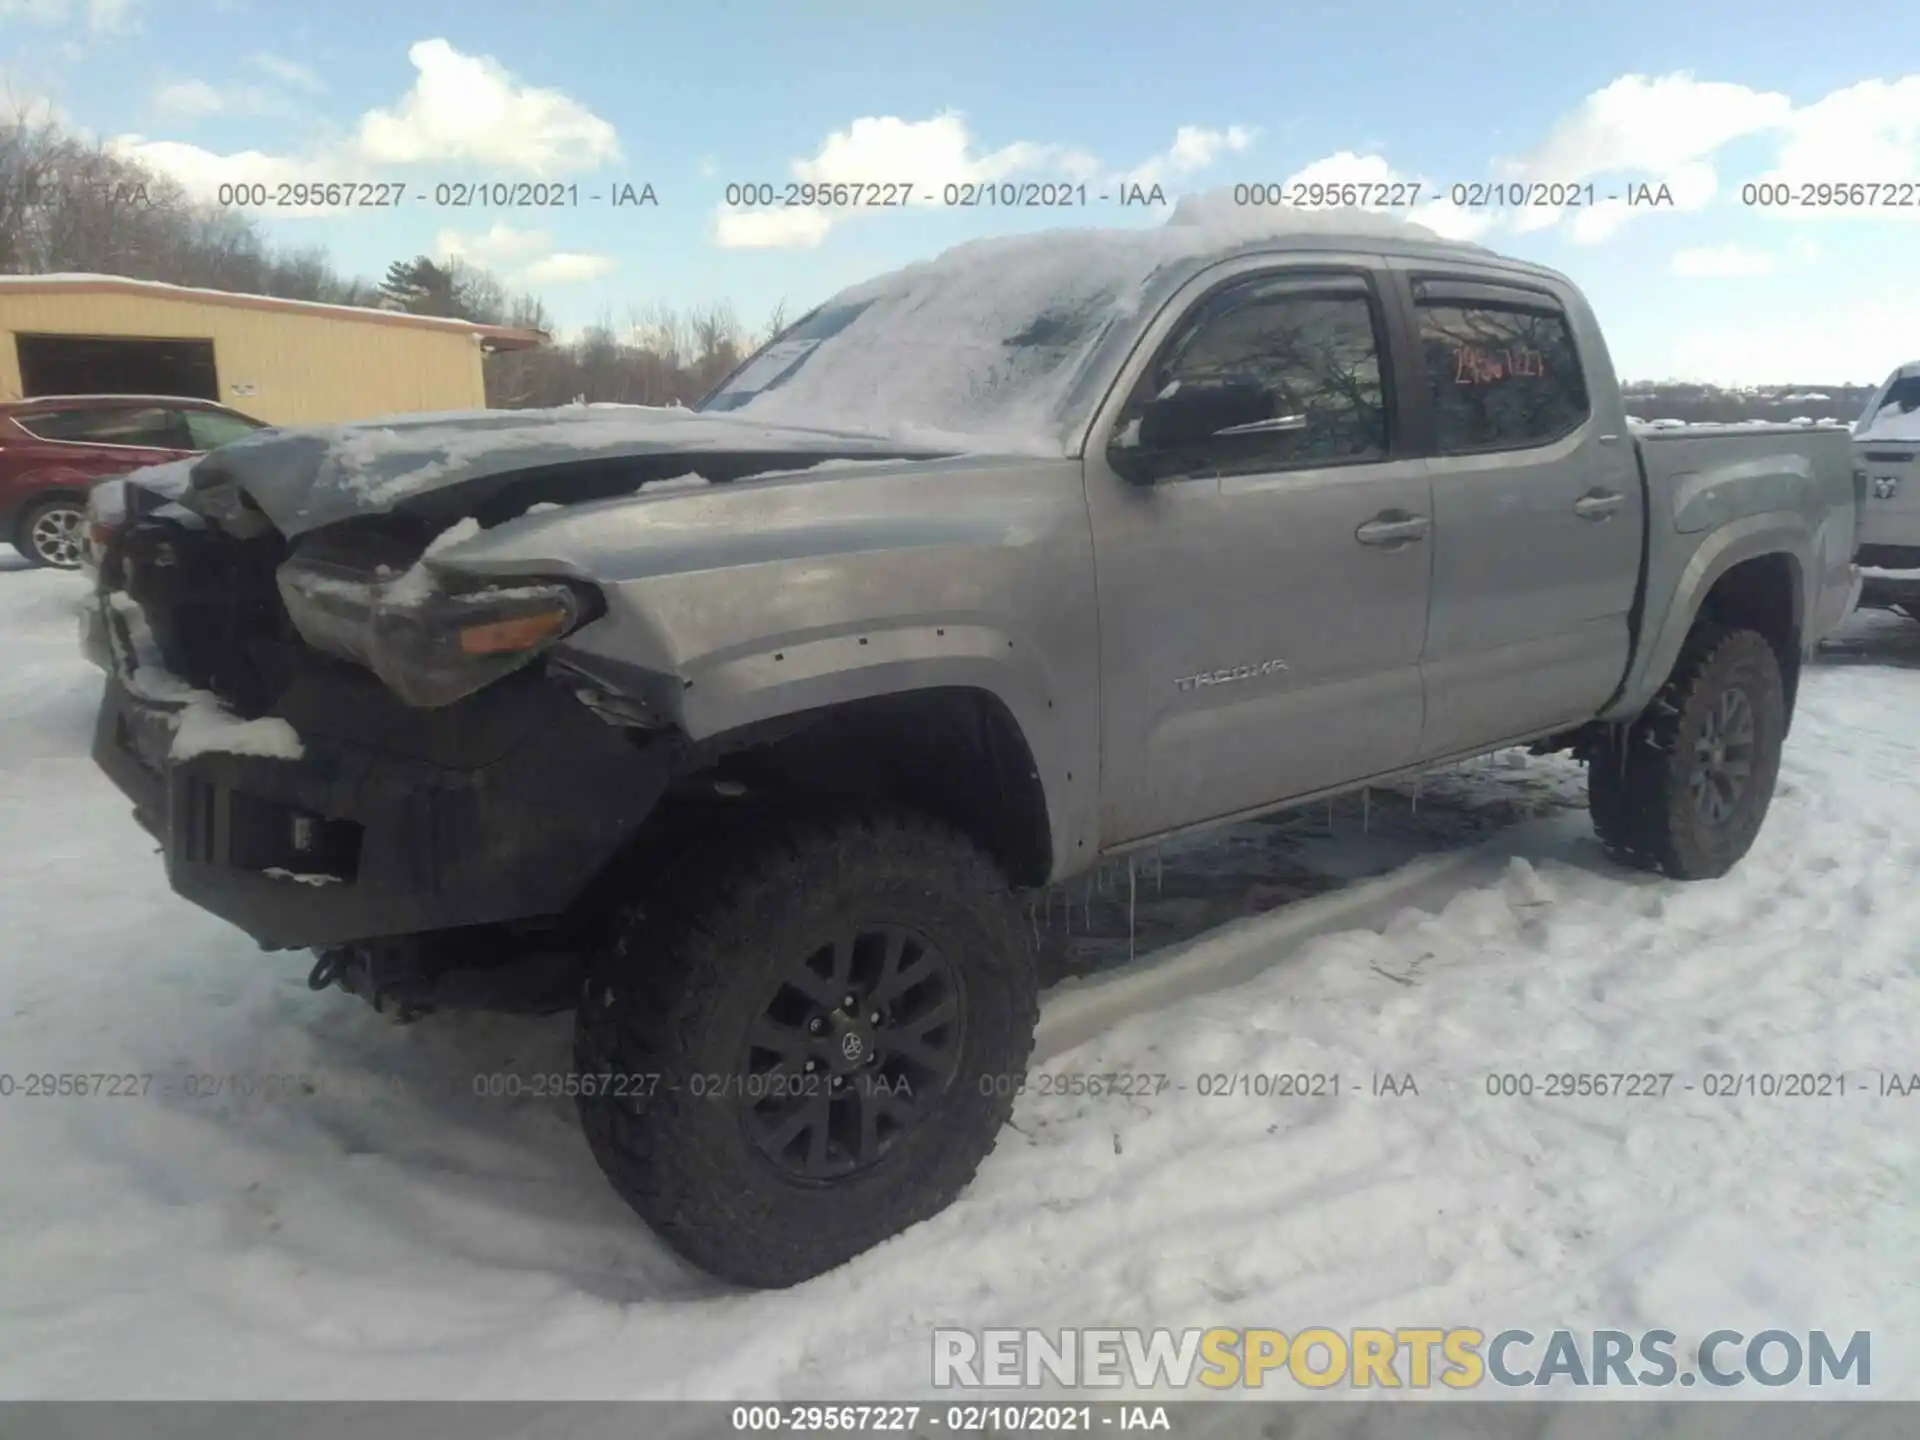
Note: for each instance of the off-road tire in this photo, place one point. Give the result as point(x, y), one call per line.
point(29, 541)
point(1638, 779)
point(666, 1009)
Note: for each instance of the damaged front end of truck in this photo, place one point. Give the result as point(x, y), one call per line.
point(345, 742)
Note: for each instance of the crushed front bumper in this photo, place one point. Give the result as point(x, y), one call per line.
point(392, 821)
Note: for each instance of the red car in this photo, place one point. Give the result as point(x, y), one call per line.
point(52, 449)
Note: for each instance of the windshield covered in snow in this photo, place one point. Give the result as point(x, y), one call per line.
point(932, 356)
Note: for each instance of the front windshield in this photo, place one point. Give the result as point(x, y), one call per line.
point(942, 351)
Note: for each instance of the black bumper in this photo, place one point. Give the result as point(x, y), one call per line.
point(392, 822)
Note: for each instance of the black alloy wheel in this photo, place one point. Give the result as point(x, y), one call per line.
point(852, 1052)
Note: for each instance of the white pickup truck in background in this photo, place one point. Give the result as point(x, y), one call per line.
point(1886, 444)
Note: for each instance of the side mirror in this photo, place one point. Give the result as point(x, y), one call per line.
point(1170, 423)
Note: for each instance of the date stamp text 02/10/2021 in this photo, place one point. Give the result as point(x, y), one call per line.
point(1631, 1086)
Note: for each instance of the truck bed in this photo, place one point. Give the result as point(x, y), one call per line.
point(1708, 489)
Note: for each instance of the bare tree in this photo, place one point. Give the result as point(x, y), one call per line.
point(776, 322)
point(69, 203)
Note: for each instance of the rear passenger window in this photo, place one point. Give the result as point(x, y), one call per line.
point(1502, 377)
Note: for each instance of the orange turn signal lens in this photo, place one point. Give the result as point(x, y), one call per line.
point(508, 637)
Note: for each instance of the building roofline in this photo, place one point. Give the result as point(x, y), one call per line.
point(94, 397)
point(493, 337)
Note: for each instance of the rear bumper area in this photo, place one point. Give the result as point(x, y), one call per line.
point(448, 820)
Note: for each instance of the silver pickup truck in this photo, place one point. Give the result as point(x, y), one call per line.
point(742, 730)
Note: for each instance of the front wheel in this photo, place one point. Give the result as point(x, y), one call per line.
point(806, 1041)
point(1684, 788)
point(53, 533)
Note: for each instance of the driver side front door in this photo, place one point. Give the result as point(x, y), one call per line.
point(1263, 591)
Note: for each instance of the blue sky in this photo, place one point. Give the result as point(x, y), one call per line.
point(1703, 98)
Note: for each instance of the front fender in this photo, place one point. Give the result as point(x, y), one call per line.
point(719, 693)
point(732, 604)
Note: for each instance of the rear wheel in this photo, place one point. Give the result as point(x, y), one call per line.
point(806, 1041)
point(1684, 788)
point(53, 532)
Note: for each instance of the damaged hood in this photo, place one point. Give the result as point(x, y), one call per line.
point(302, 479)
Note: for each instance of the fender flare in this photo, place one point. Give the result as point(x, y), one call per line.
point(779, 678)
point(1752, 537)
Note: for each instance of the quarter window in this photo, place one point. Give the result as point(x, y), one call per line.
point(1501, 377)
point(1291, 370)
point(209, 429)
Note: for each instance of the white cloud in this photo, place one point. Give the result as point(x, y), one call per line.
point(288, 72)
point(566, 267)
point(1194, 148)
point(501, 245)
point(468, 109)
point(1643, 126)
point(1869, 131)
point(196, 99)
point(931, 154)
point(1722, 261)
point(1657, 131)
point(201, 172)
point(1591, 224)
point(522, 257)
point(1688, 188)
point(1348, 167)
point(103, 17)
point(1451, 221)
point(33, 107)
point(1781, 337)
point(188, 98)
point(1861, 135)
point(460, 109)
point(797, 228)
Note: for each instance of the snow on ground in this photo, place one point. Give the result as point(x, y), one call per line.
point(374, 1228)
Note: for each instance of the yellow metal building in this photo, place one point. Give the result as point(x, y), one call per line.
point(286, 362)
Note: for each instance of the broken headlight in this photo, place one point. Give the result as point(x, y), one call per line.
point(431, 641)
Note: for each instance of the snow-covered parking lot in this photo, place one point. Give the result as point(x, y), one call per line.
point(374, 1227)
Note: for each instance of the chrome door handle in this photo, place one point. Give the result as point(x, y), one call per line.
point(1598, 504)
point(1394, 527)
